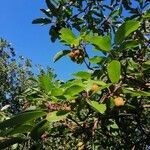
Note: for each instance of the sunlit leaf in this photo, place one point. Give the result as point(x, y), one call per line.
point(22, 118)
point(102, 43)
point(73, 90)
point(45, 82)
point(125, 29)
point(56, 92)
point(60, 55)
point(82, 75)
point(114, 71)
point(97, 106)
point(96, 59)
point(67, 36)
point(57, 115)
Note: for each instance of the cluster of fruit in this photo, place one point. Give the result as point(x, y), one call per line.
point(118, 101)
point(77, 55)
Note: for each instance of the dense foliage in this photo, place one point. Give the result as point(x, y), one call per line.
point(13, 77)
point(106, 107)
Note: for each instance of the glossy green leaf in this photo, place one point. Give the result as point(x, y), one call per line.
point(114, 71)
point(73, 90)
point(129, 44)
point(61, 54)
point(56, 92)
point(22, 118)
point(97, 106)
point(125, 29)
point(21, 129)
point(57, 115)
point(82, 75)
point(102, 43)
point(96, 59)
point(67, 36)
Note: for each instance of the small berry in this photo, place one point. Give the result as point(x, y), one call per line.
point(119, 101)
point(95, 87)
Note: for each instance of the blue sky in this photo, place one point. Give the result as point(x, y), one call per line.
point(32, 41)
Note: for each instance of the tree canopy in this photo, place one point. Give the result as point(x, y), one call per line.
point(104, 107)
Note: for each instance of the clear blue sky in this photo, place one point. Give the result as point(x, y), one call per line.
point(32, 41)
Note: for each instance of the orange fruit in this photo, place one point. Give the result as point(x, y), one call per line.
point(119, 101)
point(71, 54)
point(95, 87)
point(77, 52)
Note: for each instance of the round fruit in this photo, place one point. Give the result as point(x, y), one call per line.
point(119, 101)
point(71, 54)
point(95, 87)
point(77, 52)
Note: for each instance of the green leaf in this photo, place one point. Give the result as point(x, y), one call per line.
point(7, 142)
point(52, 5)
point(136, 93)
point(114, 71)
point(101, 43)
point(57, 115)
point(57, 92)
point(61, 54)
point(147, 62)
point(21, 129)
point(96, 59)
point(98, 107)
point(67, 36)
point(146, 15)
point(39, 129)
point(42, 21)
point(132, 64)
point(82, 75)
point(129, 44)
point(22, 118)
point(125, 29)
point(73, 90)
point(45, 82)
point(114, 126)
point(71, 83)
point(146, 65)
point(46, 12)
